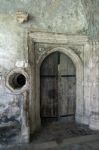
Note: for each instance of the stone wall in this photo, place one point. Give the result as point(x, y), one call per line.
point(17, 19)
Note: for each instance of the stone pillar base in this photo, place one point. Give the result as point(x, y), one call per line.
point(94, 121)
point(82, 120)
point(94, 124)
point(25, 136)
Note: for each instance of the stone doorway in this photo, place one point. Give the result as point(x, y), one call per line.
point(43, 45)
point(57, 88)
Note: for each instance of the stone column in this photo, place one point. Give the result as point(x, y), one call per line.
point(25, 130)
point(94, 114)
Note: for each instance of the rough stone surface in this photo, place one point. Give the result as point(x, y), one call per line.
point(22, 17)
point(86, 143)
point(69, 17)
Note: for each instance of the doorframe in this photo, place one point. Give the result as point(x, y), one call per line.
point(58, 53)
point(79, 77)
point(35, 63)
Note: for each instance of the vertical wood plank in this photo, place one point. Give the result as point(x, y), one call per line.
point(58, 86)
point(67, 86)
point(49, 91)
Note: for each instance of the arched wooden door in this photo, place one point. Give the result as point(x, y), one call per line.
point(57, 87)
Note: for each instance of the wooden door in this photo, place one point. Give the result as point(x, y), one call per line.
point(49, 86)
point(66, 87)
point(58, 89)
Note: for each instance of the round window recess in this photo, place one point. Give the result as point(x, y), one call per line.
point(17, 81)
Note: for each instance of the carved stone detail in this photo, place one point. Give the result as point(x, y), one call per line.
point(22, 17)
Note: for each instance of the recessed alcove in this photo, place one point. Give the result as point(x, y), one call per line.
point(17, 81)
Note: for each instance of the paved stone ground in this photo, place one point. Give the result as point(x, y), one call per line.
point(93, 145)
point(80, 143)
point(58, 131)
point(80, 139)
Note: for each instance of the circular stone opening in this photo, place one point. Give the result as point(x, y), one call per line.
point(17, 80)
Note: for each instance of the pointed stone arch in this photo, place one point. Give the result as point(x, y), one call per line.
point(79, 78)
point(41, 45)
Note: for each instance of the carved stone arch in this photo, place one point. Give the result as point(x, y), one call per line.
point(79, 78)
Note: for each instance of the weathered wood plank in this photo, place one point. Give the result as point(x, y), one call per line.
point(58, 86)
point(66, 86)
point(49, 65)
point(49, 91)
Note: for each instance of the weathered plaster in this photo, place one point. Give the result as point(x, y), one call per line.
point(70, 17)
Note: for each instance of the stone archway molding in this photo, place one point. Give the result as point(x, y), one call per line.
point(79, 78)
point(62, 43)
